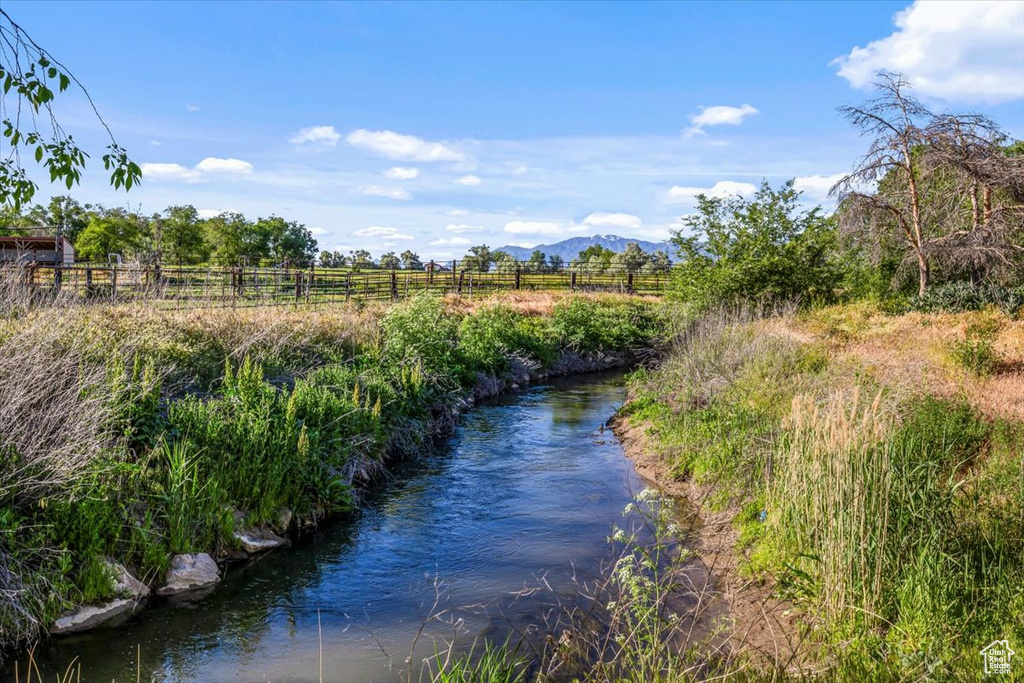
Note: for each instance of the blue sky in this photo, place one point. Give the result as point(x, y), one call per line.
point(429, 126)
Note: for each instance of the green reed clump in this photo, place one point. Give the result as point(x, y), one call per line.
point(490, 336)
point(485, 662)
point(868, 520)
point(584, 324)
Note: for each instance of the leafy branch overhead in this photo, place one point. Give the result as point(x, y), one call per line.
point(31, 79)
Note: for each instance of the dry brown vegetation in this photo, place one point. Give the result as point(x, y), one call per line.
point(912, 352)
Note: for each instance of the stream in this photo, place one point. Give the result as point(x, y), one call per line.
point(492, 528)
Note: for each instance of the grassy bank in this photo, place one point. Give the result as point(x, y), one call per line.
point(135, 434)
point(869, 473)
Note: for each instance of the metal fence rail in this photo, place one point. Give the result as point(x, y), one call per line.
point(182, 286)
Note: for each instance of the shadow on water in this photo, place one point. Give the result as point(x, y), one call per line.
point(524, 495)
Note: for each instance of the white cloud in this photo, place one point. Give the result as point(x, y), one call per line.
point(534, 228)
point(962, 51)
point(398, 146)
point(625, 221)
point(462, 227)
point(210, 213)
point(722, 115)
point(458, 212)
point(383, 232)
point(322, 135)
point(468, 180)
point(721, 189)
point(389, 192)
point(402, 173)
point(192, 107)
point(316, 231)
point(155, 143)
point(160, 171)
point(453, 241)
point(817, 186)
point(217, 165)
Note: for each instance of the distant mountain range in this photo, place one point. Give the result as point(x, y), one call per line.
point(569, 249)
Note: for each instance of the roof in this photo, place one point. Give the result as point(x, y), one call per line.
point(23, 242)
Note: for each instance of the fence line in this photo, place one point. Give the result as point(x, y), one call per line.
point(183, 286)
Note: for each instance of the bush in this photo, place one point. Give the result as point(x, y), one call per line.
point(488, 337)
point(421, 332)
point(583, 324)
point(960, 297)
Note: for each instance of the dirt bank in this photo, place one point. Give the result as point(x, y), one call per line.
point(754, 622)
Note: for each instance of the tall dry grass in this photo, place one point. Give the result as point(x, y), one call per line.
point(831, 494)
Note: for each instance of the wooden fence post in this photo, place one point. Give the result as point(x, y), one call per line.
point(348, 285)
point(572, 280)
point(458, 288)
point(394, 285)
point(430, 273)
point(518, 277)
point(629, 282)
point(298, 286)
point(113, 284)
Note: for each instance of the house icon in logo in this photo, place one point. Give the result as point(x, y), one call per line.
point(997, 657)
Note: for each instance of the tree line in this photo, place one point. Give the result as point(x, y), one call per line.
point(481, 259)
point(178, 235)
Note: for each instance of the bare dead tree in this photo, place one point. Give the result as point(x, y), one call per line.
point(941, 184)
point(983, 226)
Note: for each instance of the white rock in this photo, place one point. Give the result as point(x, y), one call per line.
point(126, 585)
point(90, 616)
point(257, 540)
point(189, 573)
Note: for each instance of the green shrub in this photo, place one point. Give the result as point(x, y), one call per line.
point(960, 297)
point(422, 332)
point(584, 324)
point(487, 338)
point(975, 352)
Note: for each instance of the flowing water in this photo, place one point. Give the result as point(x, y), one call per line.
point(523, 497)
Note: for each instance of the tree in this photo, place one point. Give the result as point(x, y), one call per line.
point(411, 260)
point(634, 258)
point(594, 260)
point(762, 248)
point(31, 79)
point(361, 259)
point(603, 253)
point(478, 259)
point(62, 213)
point(230, 238)
point(537, 262)
point(504, 262)
point(182, 238)
point(389, 261)
point(920, 173)
point(659, 263)
point(555, 263)
point(116, 232)
point(281, 240)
